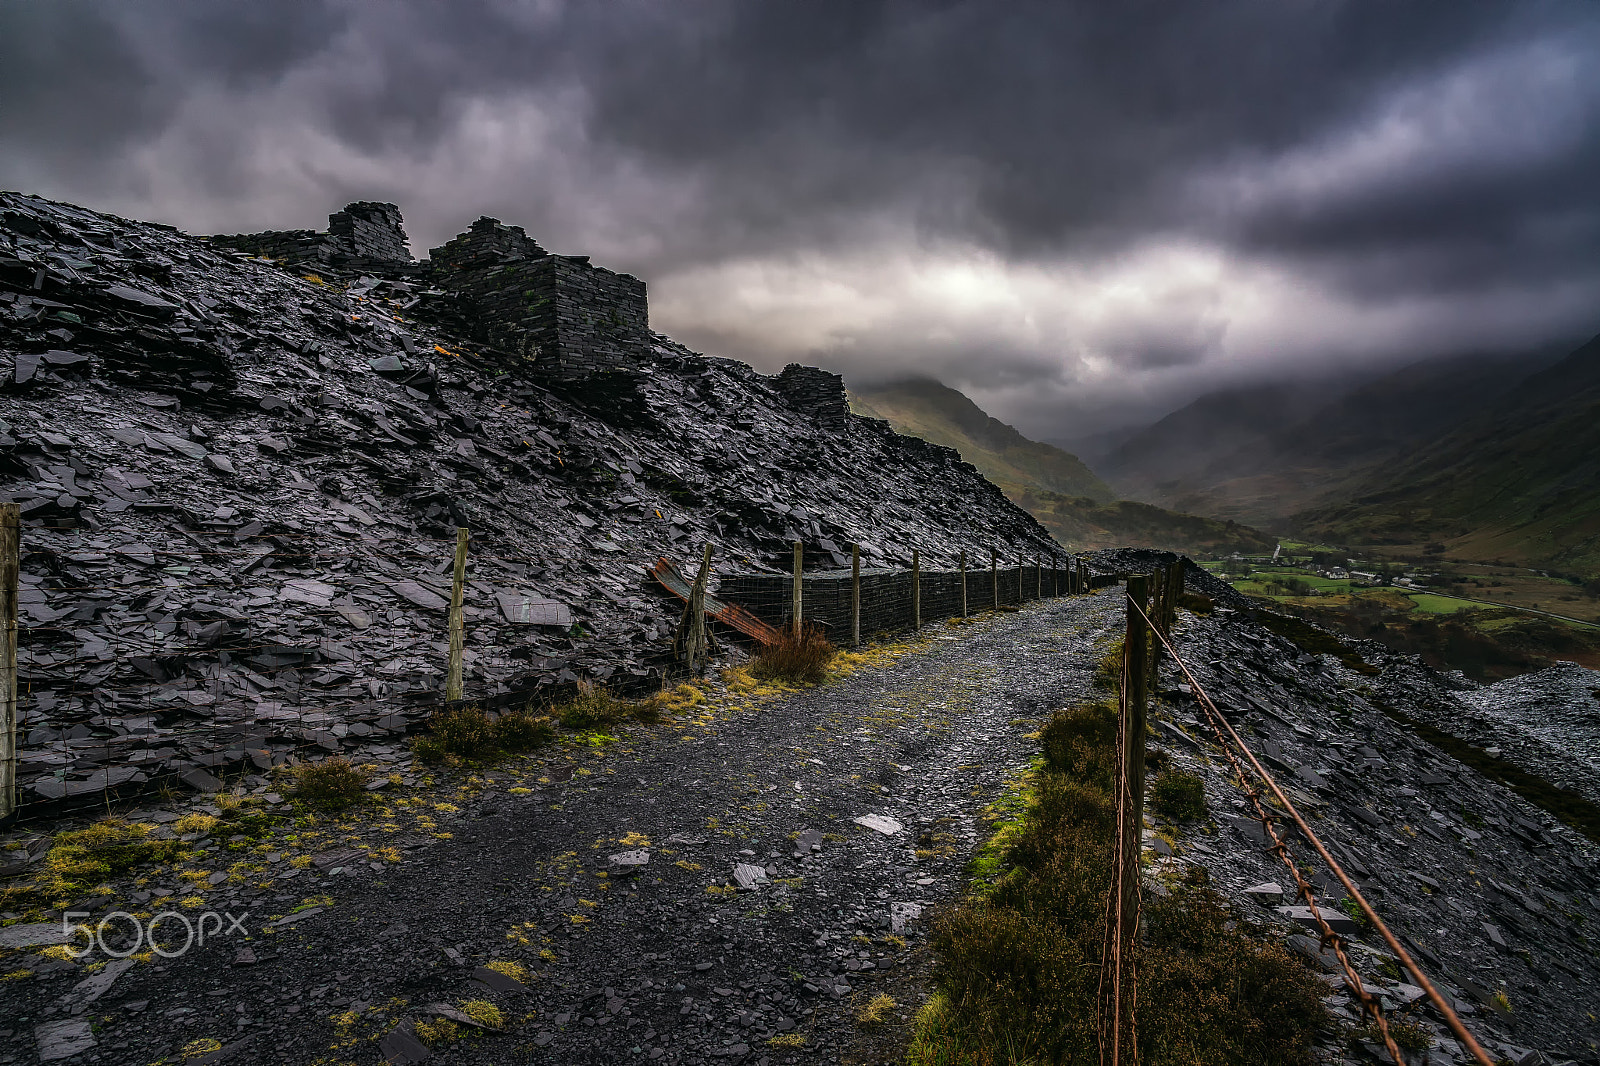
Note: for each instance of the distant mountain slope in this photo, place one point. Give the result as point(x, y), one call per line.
point(1521, 481)
point(942, 415)
point(1087, 523)
point(1264, 453)
point(1066, 498)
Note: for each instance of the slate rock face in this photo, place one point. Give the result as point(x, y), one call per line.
point(240, 482)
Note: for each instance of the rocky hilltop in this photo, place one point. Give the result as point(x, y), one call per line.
point(241, 460)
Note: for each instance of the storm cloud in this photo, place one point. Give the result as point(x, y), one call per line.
point(1078, 213)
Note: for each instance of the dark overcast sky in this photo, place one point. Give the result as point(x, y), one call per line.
point(1079, 213)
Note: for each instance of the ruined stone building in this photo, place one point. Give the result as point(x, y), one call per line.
point(567, 318)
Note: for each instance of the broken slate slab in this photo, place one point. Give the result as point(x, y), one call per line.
point(632, 860)
point(1337, 921)
point(1268, 894)
point(34, 935)
point(92, 988)
point(748, 877)
point(402, 1048)
point(62, 1040)
point(882, 823)
point(420, 595)
point(496, 981)
point(201, 781)
point(806, 843)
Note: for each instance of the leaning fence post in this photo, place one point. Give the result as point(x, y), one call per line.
point(916, 589)
point(695, 644)
point(855, 595)
point(796, 596)
point(458, 626)
point(994, 576)
point(1135, 692)
point(963, 582)
point(10, 552)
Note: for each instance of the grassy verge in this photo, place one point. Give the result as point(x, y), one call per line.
point(1019, 961)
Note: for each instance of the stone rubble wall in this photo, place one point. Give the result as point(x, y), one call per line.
point(817, 392)
point(371, 230)
point(365, 231)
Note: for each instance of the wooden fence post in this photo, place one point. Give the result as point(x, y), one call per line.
point(695, 650)
point(963, 582)
point(1038, 577)
point(458, 625)
point(1174, 594)
point(1135, 651)
point(855, 595)
point(1055, 575)
point(994, 576)
point(10, 565)
point(1019, 578)
point(796, 596)
point(916, 589)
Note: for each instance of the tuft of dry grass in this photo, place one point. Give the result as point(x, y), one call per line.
point(469, 735)
point(802, 660)
point(330, 785)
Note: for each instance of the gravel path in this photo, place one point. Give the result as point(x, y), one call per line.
point(649, 965)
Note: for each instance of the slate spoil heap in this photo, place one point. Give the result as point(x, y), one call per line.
point(1495, 898)
point(240, 479)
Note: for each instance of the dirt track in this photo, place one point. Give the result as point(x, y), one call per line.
point(650, 966)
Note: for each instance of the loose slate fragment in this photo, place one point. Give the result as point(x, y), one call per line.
point(181, 445)
point(401, 1048)
point(637, 857)
point(521, 608)
point(34, 935)
point(497, 981)
point(25, 365)
point(62, 1040)
point(139, 298)
point(420, 595)
point(92, 988)
point(882, 823)
point(1267, 894)
point(748, 877)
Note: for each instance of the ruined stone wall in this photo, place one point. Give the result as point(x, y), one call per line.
point(295, 244)
point(365, 231)
point(370, 230)
point(818, 393)
point(487, 243)
point(568, 318)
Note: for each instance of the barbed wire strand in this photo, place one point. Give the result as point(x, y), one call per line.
point(1330, 939)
